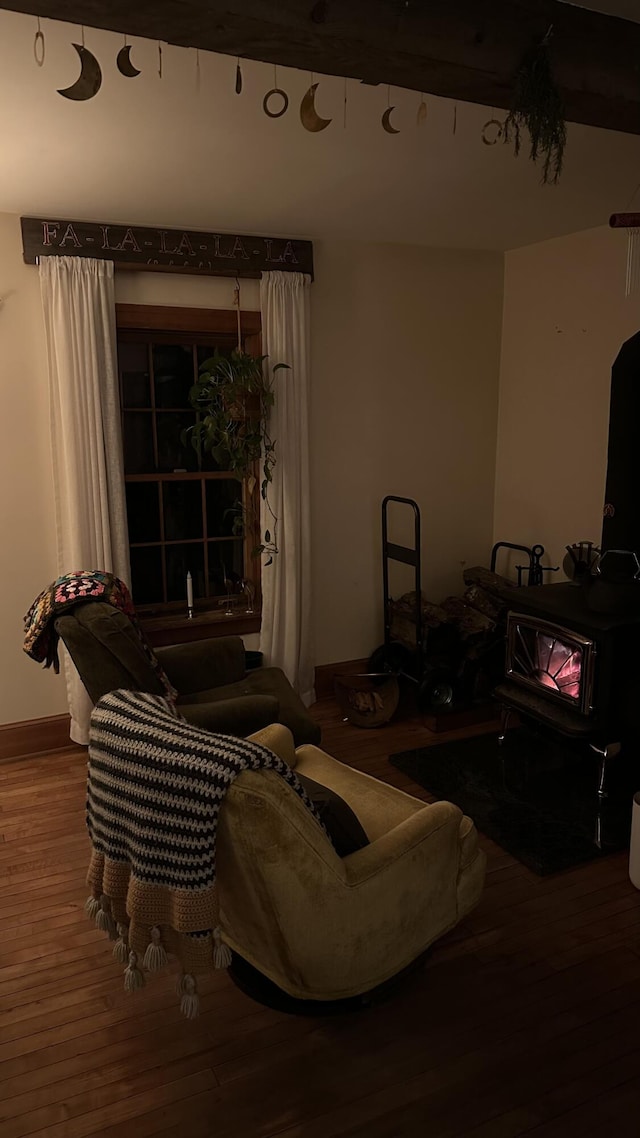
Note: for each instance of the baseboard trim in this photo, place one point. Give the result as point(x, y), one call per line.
point(35, 737)
point(325, 674)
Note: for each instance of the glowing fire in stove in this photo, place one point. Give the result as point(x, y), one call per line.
point(558, 666)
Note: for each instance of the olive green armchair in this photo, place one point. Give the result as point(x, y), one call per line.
point(214, 689)
point(326, 928)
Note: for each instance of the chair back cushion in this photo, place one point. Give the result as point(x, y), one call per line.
point(204, 664)
point(106, 650)
point(339, 820)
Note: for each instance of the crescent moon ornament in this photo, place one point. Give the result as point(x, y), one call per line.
point(278, 92)
point(89, 81)
point(309, 116)
point(124, 64)
point(386, 121)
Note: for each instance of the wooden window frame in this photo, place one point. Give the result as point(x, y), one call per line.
point(164, 323)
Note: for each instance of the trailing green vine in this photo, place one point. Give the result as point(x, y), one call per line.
point(537, 106)
point(233, 397)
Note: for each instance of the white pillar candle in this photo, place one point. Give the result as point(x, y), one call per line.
point(189, 591)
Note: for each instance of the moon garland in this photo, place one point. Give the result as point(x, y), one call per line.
point(492, 132)
point(38, 45)
point(280, 94)
point(386, 116)
point(285, 103)
point(386, 121)
point(309, 116)
point(89, 81)
point(124, 64)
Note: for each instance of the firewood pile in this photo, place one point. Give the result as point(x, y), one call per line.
point(467, 625)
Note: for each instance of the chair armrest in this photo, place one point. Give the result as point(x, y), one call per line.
point(277, 738)
point(240, 716)
point(432, 837)
point(203, 664)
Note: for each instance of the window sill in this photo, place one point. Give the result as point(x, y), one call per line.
point(164, 630)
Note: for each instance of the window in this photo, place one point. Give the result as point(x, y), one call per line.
point(180, 506)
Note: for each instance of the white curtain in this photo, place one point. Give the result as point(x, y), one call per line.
point(88, 478)
point(285, 637)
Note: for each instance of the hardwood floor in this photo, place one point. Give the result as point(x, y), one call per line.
point(524, 1020)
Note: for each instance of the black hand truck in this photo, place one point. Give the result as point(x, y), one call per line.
point(395, 656)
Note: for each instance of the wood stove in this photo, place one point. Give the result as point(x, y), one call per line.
point(573, 663)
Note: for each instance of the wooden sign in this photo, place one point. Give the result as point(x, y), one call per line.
point(164, 250)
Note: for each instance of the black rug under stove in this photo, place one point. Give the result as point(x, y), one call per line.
point(535, 796)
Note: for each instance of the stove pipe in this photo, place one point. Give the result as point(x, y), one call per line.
point(621, 523)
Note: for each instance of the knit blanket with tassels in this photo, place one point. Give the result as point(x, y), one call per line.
point(63, 594)
point(155, 787)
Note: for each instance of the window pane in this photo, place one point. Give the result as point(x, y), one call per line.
point(143, 511)
point(225, 564)
point(185, 524)
point(173, 454)
point(204, 352)
point(134, 373)
point(180, 560)
point(182, 502)
point(146, 575)
point(223, 498)
point(137, 442)
point(173, 374)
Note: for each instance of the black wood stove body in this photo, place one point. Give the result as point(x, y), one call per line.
point(573, 661)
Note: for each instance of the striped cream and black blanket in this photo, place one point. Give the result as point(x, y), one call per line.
point(155, 787)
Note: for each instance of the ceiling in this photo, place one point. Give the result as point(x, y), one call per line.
point(161, 152)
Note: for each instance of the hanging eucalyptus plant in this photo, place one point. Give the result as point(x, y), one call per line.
point(537, 106)
point(233, 397)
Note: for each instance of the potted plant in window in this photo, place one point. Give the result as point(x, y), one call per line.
point(233, 397)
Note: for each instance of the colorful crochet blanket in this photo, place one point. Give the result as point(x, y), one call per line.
point(155, 788)
point(40, 636)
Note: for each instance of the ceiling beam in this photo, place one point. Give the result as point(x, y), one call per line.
point(460, 49)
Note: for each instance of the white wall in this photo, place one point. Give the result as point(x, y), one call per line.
point(28, 545)
point(185, 291)
point(405, 358)
point(565, 318)
point(405, 353)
